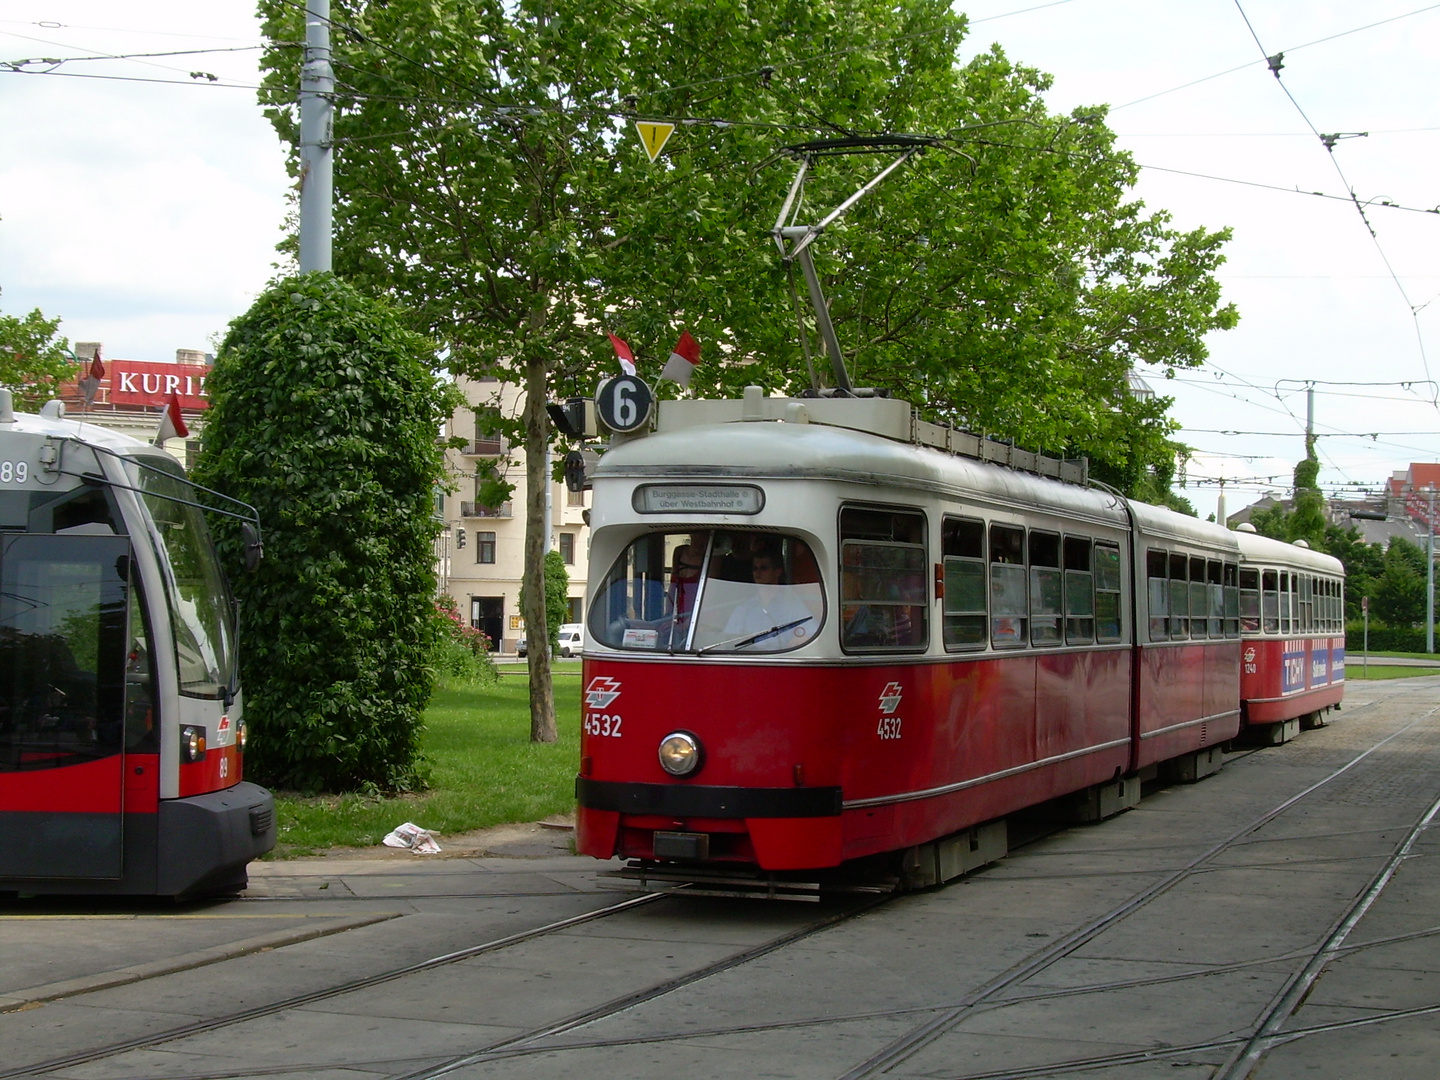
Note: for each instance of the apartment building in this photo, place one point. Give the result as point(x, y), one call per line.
point(480, 552)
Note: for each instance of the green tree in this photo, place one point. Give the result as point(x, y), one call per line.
point(1399, 591)
point(324, 414)
point(488, 178)
point(34, 358)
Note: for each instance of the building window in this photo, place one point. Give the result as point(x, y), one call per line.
point(484, 547)
point(567, 548)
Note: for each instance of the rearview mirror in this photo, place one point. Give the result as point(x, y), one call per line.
point(254, 548)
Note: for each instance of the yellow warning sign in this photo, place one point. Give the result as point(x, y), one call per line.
point(654, 136)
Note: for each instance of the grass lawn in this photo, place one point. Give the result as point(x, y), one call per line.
point(1355, 671)
point(484, 770)
point(1357, 653)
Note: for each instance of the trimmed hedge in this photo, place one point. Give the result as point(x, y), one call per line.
point(1384, 638)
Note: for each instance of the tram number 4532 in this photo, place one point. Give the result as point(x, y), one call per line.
point(602, 724)
point(889, 727)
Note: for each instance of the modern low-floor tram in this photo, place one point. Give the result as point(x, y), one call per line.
point(121, 726)
point(811, 640)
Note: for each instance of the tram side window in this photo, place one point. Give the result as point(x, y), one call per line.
point(1009, 603)
point(1047, 589)
point(1158, 578)
point(1249, 601)
point(1287, 600)
point(1079, 592)
point(1304, 614)
point(1270, 601)
point(962, 544)
point(883, 589)
point(1231, 600)
point(1179, 597)
point(1199, 600)
point(1107, 593)
point(1215, 592)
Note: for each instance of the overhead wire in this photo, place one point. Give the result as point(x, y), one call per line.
point(1276, 64)
point(1289, 49)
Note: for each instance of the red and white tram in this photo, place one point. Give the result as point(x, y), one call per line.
point(1292, 621)
point(820, 630)
point(121, 729)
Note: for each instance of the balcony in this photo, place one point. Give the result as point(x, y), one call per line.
point(480, 510)
point(485, 446)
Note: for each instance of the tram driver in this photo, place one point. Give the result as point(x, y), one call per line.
point(772, 613)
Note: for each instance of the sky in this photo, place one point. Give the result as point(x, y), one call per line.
point(142, 203)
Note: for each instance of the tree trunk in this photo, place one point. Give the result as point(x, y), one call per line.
point(537, 483)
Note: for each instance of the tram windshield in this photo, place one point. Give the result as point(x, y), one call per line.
point(196, 591)
point(710, 591)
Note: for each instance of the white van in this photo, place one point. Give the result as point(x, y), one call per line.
point(572, 640)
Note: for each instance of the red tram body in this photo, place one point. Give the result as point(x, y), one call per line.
point(941, 640)
point(1293, 628)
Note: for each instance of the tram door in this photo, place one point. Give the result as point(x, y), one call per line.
point(63, 648)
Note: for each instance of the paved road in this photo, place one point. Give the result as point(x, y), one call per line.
point(1279, 919)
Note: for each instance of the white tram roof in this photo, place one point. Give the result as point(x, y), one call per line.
point(89, 434)
point(871, 441)
point(1256, 550)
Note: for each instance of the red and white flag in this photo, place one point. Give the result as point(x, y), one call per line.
point(627, 358)
point(684, 359)
point(172, 424)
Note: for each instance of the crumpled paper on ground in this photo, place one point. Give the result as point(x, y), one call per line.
point(412, 836)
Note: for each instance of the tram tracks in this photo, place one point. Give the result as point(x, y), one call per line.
point(451, 1063)
point(311, 997)
point(938, 1018)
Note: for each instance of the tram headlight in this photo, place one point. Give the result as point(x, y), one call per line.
point(242, 735)
point(680, 753)
point(192, 743)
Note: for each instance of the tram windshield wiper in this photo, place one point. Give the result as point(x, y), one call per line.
point(751, 639)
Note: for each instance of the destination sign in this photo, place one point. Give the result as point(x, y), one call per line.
point(698, 499)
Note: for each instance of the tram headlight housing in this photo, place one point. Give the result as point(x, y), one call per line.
point(192, 743)
point(681, 754)
point(242, 735)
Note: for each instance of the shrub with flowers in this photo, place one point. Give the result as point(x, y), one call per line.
point(462, 653)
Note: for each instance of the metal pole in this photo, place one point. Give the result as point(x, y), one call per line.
point(1430, 575)
point(1365, 656)
point(549, 524)
point(317, 178)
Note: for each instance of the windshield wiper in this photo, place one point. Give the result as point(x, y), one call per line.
point(741, 642)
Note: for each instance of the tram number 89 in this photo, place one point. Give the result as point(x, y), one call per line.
point(14, 472)
point(602, 724)
point(889, 727)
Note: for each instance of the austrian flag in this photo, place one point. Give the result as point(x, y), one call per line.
point(683, 360)
point(172, 424)
point(622, 350)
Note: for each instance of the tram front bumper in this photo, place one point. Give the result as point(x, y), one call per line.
point(207, 840)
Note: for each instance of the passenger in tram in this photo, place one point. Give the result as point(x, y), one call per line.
point(772, 610)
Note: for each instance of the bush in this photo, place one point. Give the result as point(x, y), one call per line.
point(461, 655)
point(324, 416)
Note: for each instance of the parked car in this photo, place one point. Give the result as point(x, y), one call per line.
point(572, 640)
point(520, 646)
